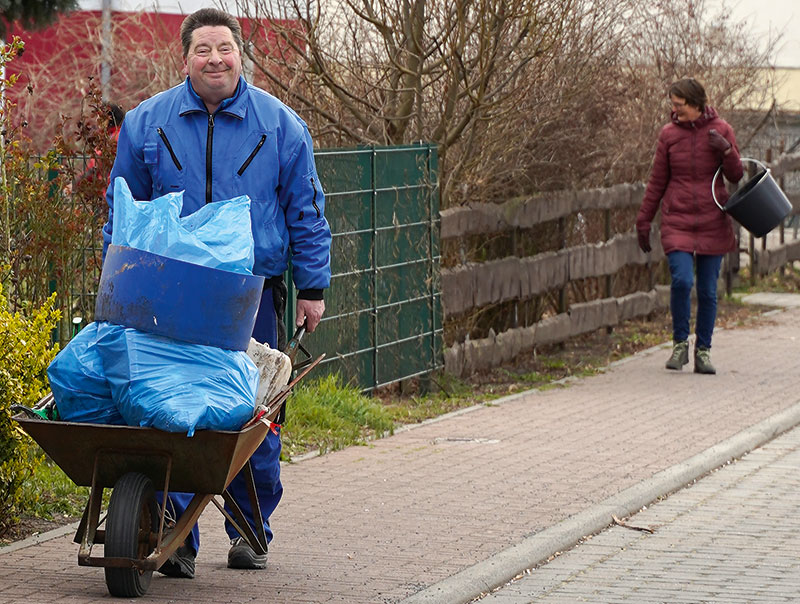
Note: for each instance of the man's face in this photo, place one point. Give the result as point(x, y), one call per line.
point(213, 64)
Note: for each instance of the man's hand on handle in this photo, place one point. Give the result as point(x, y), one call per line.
point(310, 311)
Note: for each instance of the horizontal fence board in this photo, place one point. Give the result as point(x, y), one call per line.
point(464, 358)
point(788, 162)
point(473, 285)
point(527, 212)
point(767, 261)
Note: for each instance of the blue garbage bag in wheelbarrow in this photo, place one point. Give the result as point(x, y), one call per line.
point(174, 386)
point(79, 383)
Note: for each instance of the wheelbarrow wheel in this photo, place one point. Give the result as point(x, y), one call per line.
point(132, 517)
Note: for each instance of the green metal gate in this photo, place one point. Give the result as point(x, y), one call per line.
point(383, 316)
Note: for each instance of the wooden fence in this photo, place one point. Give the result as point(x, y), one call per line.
point(472, 286)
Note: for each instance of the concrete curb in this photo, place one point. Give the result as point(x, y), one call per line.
point(504, 566)
point(40, 538)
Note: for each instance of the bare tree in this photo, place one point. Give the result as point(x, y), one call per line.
point(520, 95)
point(669, 40)
point(146, 57)
point(396, 71)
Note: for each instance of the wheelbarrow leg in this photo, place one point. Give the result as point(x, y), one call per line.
point(256, 539)
point(87, 528)
point(175, 537)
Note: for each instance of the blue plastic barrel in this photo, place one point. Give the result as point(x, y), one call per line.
point(177, 299)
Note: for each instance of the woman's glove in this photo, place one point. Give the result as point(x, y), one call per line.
point(644, 240)
point(718, 142)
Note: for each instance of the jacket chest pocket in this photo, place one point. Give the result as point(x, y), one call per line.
point(164, 164)
point(255, 165)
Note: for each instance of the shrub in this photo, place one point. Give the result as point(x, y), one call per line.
point(25, 353)
point(52, 204)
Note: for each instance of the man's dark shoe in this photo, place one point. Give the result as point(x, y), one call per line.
point(702, 361)
point(180, 564)
point(241, 555)
point(680, 355)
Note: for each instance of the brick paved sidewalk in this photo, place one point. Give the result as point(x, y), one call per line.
point(731, 538)
point(379, 523)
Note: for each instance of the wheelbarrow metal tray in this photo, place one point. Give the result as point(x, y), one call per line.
point(204, 463)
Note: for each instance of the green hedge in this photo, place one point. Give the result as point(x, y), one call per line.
point(25, 353)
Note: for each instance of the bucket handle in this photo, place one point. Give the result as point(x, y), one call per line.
point(714, 180)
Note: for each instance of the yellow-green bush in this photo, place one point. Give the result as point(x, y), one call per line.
point(25, 353)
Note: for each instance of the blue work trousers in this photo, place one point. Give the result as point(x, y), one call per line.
point(265, 461)
point(682, 267)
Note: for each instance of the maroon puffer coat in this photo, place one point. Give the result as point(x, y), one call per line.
point(680, 180)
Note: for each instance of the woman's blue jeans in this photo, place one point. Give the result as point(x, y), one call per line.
point(682, 267)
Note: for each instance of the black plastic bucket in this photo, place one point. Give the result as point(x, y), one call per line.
point(759, 205)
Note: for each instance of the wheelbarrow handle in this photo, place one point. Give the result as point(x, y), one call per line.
point(294, 346)
point(282, 395)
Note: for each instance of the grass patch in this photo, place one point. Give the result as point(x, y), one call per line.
point(786, 283)
point(326, 414)
point(50, 495)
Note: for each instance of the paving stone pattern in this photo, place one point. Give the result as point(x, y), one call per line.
point(730, 538)
point(378, 523)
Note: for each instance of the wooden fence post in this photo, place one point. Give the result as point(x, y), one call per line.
point(562, 243)
point(609, 279)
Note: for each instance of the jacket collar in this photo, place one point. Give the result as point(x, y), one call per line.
point(709, 113)
point(235, 105)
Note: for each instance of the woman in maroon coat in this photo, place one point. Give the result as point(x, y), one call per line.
point(695, 234)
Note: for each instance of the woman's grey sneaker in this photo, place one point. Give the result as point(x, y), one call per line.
point(180, 564)
point(702, 361)
point(680, 355)
point(241, 555)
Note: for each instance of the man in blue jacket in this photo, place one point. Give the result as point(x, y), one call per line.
point(217, 137)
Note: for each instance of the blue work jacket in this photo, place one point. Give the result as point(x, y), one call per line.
point(253, 145)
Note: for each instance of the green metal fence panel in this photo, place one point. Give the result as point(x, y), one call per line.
point(383, 310)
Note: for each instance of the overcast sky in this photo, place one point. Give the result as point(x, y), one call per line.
point(771, 17)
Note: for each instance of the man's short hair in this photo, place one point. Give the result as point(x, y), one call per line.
point(209, 17)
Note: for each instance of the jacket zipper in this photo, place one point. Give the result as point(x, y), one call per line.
point(694, 177)
point(169, 148)
point(209, 150)
point(314, 198)
point(252, 155)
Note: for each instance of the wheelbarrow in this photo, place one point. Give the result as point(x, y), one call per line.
point(132, 461)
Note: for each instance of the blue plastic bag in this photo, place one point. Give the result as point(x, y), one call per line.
point(78, 382)
point(174, 386)
point(218, 235)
